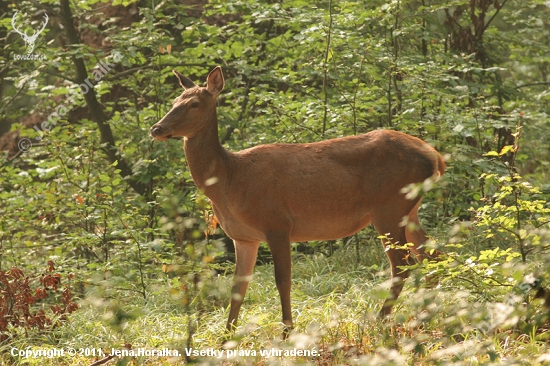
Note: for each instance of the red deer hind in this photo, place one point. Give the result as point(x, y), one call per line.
point(283, 193)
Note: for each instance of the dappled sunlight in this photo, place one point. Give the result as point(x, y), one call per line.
point(300, 121)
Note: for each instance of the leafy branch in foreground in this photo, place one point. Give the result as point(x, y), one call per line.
point(517, 212)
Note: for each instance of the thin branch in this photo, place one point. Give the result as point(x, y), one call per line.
point(144, 67)
point(541, 224)
point(67, 173)
point(513, 232)
point(449, 16)
point(531, 84)
point(494, 15)
point(478, 273)
point(57, 75)
point(13, 97)
point(325, 69)
point(103, 360)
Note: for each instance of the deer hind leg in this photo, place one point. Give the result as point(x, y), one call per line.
point(279, 246)
point(415, 234)
point(245, 259)
point(390, 226)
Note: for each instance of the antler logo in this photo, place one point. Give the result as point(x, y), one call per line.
point(29, 40)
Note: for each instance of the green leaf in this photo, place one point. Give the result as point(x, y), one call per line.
point(506, 149)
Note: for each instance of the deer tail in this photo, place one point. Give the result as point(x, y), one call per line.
point(440, 166)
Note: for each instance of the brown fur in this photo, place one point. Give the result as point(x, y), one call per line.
point(282, 193)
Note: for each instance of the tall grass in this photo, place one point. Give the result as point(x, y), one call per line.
point(335, 301)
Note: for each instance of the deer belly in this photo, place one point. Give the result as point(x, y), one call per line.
point(335, 228)
point(236, 228)
point(304, 224)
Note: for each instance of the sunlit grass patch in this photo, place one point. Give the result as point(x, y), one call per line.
point(335, 309)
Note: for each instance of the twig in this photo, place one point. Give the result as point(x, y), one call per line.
point(325, 69)
point(531, 84)
point(103, 360)
point(134, 69)
point(494, 15)
point(13, 97)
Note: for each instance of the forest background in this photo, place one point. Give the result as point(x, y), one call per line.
point(106, 243)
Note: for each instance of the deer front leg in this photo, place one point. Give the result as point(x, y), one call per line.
point(280, 250)
point(245, 259)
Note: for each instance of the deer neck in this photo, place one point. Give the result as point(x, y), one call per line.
point(207, 159)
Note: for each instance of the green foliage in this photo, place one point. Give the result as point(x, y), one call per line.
point(463, 76)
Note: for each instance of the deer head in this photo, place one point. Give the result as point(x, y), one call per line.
point(29, 40)
point(193, 110)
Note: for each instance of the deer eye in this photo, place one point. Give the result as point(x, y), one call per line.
point(194, 104)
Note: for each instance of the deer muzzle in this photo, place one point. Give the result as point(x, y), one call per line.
point(158, 133)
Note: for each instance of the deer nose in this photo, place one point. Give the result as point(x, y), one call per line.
point(156, 130)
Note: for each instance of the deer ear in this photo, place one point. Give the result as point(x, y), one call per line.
point(214, 81)
point(185, 82)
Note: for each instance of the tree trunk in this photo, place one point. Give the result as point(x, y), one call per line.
point(96, 112)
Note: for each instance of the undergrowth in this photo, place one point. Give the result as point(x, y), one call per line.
point(335, 309)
